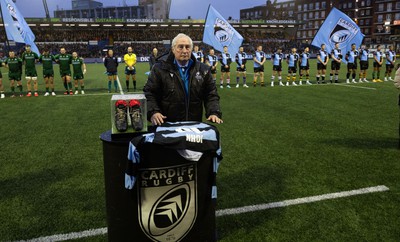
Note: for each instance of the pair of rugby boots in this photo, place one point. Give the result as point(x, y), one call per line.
point(123, 109)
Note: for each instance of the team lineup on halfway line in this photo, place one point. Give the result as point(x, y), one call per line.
point(293, 59)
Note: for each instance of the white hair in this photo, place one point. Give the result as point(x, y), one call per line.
point(179, 36)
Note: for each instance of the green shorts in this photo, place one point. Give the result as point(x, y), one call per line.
point(14, 76)
point(65, 73)
point(78, 76)
point(48, 73)
point(31, 72)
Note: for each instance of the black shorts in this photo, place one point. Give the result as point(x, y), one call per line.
point(130, 72)
point(321, 66)
point(277, 68)
point(364, 65)
point(305, 67)
point(213, 71)
point(335, 65)
point(223, 69)
point(292, 69)
point(240, 69)
point(112, 73)
point(258, 69)
point(389, 66)
point(351, 66)
point(377, 65)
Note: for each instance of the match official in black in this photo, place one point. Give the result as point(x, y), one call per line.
point(111, 64)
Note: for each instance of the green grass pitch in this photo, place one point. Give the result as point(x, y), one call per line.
point(278, 143)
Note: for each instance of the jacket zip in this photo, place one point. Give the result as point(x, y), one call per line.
point(186, 98)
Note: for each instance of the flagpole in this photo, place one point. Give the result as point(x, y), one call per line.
point(7, 43)
point(205, 21)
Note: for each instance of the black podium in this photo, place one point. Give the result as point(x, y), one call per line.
point(172, 192)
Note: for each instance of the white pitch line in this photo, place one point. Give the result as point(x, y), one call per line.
point(119, 86)
point(86, 94)
point(74, 235)
point(229, 211)
point(347, 85)
point(259, 207)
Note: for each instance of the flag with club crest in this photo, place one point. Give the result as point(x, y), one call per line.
point(16, 27)
point(338, 28)
point(219, 33)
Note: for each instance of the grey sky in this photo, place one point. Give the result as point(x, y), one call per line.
point(180, 9)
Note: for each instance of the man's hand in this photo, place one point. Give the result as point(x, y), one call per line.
point(214, 119)
point(157, 119)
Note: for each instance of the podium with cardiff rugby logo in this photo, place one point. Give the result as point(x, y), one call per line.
point(166, 190)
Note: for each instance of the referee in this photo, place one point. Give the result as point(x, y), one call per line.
point(130, 70)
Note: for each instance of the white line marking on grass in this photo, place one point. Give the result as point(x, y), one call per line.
point(74, 235)
point(259, 207)
point(229, 211)
point(347, 85)
point(83, 95)
point(119, 86)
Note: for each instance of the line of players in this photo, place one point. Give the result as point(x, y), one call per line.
point(29, 60)
point(294, 59)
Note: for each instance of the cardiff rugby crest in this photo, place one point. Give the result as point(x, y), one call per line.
point(167, 199)
point(342, 33)
point(223, 32)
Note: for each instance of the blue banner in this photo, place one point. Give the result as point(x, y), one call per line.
point(219, 33)
point(16, 27)
point(338, 28)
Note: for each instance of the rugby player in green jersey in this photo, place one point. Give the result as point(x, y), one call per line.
point(79, 68)
point(29, 58)
point(65, 60)
point(48, 72)
point(2, 95)
point(14, 65)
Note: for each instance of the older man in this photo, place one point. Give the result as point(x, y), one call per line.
point(179, 86)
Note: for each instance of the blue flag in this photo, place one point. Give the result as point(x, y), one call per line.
point(338, 28)
point(16, 27)
point(219, 33)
